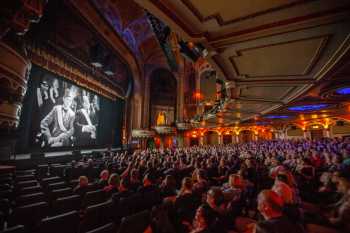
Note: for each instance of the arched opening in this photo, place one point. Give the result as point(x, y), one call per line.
point(227, 138)
point(212, 138)
point(194, 141)
point(316, 131)
point(163, 91)
point(246, 136)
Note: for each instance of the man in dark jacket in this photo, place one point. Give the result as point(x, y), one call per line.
point(270, 206)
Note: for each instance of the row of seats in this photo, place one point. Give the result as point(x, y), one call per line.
point(40, 203)
point(69, 223)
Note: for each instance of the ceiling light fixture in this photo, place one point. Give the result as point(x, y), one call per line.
point(343, 91)
point(310, 107)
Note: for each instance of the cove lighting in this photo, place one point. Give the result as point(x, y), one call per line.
point(310, 107)
point(343, 91)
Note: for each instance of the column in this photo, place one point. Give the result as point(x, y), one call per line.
point(220, 138)
point(235, 138)
point(180, 94)
point(201, 140)
point(326, 133)
point(146, 101)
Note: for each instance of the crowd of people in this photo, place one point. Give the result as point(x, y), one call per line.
point(273, 186)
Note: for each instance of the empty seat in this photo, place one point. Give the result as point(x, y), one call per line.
point(6, 180)
point(67, 223)
point(25, 178)
point(29, 190)
point(66, 204)
point(58, 185)
point(97, 216)
point(28, 183)
point(25, 172)
point(93, 198)
point(42, 170)
point(136, 223)
point(58, 193)
point(73, 183)
point(6, 194)
point(15, 229)
point(30, 199)
point(28, 215)
point(5, 207)
point(5, 186)
point(49, 180)
point(108, 228)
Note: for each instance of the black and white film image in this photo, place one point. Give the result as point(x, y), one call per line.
point(65, 115)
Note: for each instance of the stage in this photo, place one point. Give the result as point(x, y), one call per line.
point(60, 153)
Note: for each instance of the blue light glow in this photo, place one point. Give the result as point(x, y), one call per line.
point(343, 91)
point(311, 107)
point(276, 117)
point(262, 123)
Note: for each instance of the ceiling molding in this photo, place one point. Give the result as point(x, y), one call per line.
point(309, 67)
point(219, 19)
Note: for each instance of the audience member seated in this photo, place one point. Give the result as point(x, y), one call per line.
point(82, 186)
point(168, 187)
point(104, 175)
point(124, 190)
point(204, 220)
point(186, 202)
point(270, 206)
point(113, 184)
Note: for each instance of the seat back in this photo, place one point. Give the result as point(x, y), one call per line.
point(25, 178)
point(58, 185)
point(58, 193)
point(28, 215)
point(30, 199)
point(108, 228)
point(53, 179)
point(30, 190)
point(24, 184)
point(66, 204)
point(130, 205)
point(67, 223)
point(151, 199)
point(15, 229)
point(93, 198)
point(136, 223)
point(96, 216)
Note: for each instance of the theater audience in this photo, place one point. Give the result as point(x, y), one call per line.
point(293, 184)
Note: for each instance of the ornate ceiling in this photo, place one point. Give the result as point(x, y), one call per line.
point(272, 53)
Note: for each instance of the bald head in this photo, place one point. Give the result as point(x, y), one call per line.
point(270, 204)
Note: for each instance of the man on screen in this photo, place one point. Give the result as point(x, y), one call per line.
point(61, 121)
point(85, 129)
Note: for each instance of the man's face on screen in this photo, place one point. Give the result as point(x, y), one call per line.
point(67, 101)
